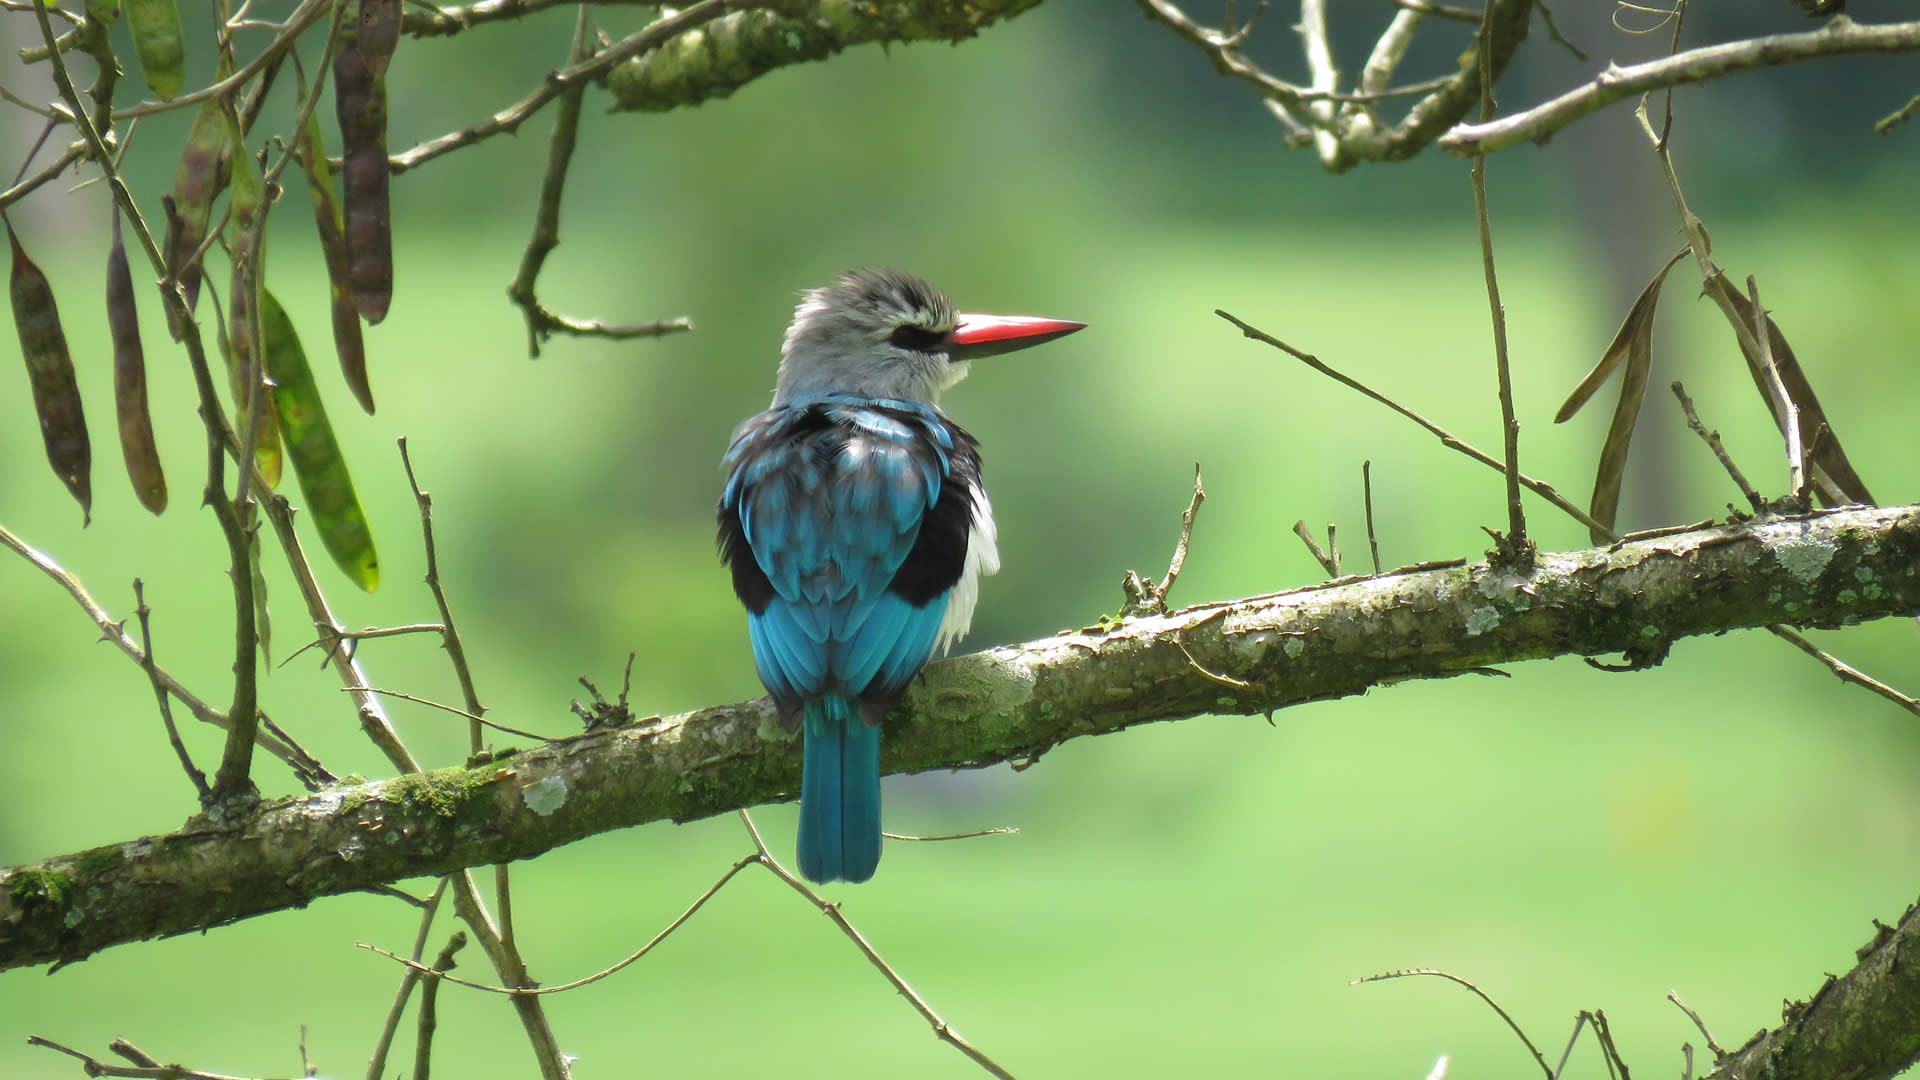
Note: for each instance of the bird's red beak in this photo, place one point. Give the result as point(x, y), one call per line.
point(991, 335)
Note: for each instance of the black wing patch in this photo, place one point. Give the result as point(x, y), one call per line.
point(939, 553)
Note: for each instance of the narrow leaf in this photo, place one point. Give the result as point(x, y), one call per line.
point(159, 40)
point(1835, 479)
point(317, 463)
point(130, 380)
point(347, 340)
point(56, 396)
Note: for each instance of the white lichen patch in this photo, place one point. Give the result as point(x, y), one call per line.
point(1804, 557)
point(1482, 619)
point(545, 795)
point(1293, 646)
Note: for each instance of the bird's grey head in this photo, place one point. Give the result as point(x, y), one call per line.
point(879, 333)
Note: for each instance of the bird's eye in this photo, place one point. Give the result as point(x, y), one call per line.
point(918, 338)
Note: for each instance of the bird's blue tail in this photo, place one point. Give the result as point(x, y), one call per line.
point(839, 793)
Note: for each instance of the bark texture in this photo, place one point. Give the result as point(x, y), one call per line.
point(1245, 656)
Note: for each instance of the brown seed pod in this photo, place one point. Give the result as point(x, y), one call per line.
point(130, 380)
point(56, 396)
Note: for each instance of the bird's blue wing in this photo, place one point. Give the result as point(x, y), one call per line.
point(845, 523)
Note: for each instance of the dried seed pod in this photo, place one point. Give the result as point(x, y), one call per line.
point(360, 103)
point(324, 480)
point(159, 40)
point(347, 340)
point(56, 396)
point(130, 380)
point(201, 175)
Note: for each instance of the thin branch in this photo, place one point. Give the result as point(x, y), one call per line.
point(475, 719)
point(941, 1029)
point(998, 830)
point(1515, 546)
point(1784, 405)
point(303, 16)
point(1712, 439)
point(1674, 996)
point(429, 1015)
point(378, 1064)
point(1538, 1057)
point(95, 1067)
point(198, 778)
point(1320, 554)
point(1366, 488)
point(1841, 36)
point(559, 82)
point(306, 768)
point(1899, 116)
point(1447, 439)
point(1847, 672)
point(22, 188)
point(543, 323)
point(416, 969)
point(350, 638)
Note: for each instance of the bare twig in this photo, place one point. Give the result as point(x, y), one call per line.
point(558, 82)
point(96, 1067)
point(1841, 36)
point(198, 778)
point(1515, 546)
point(22, 188)
point(429, 1015)
point(416, 969)
point(303, 16)
point(1366, 488)
point(1477, 992)
point(305, 767)
point(1674, 996)
point(348, 638)
point(998, 830)
point(1784, 405)
point(1320, 555)
point(1447, 439)
point(1847, 672)
point(1899, 116)
point(941, 1029)
point(472, 718)
point(1712, 439)
point(378, 1064)
point(543, 323)
point(1179, 560)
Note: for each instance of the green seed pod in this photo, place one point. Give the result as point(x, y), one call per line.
point(242, 357)
point(159, 40)
point(322, 472)
point(130, 380)
point(56, 396)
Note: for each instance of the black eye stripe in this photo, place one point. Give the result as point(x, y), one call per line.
point(918, 338)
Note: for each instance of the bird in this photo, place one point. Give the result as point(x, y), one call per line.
point(856, 529)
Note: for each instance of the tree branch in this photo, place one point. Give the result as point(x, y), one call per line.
point(1325, 641)
point(1841, 36)
point(729, 52)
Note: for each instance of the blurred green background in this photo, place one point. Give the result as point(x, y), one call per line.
point(1188, 899)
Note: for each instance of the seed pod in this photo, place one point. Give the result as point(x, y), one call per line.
point(201, 174)
point(130, 380)
point(347, 339)
point(56, 396)
point(360, 104)
point(242, 356)
point(159, 40)
point(322, 472)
